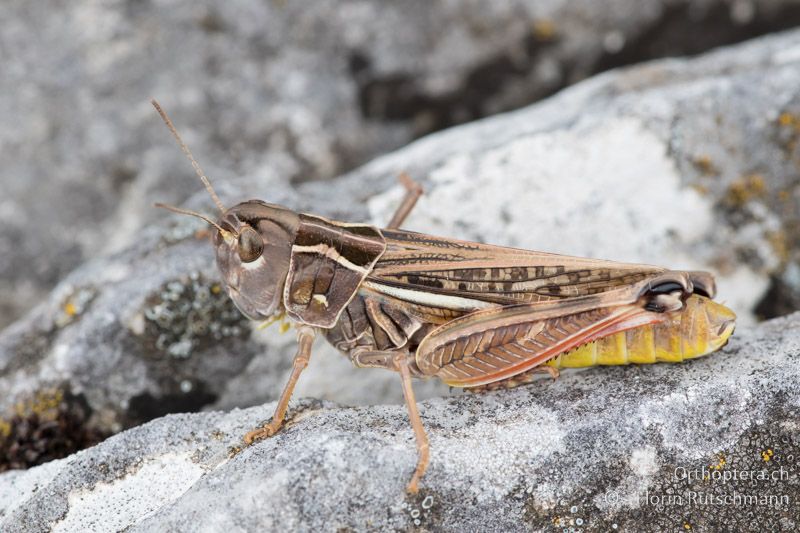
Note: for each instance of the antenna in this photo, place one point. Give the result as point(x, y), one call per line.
point(190, 213)
point(188, 153)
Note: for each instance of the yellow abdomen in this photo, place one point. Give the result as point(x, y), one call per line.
point(702, 327)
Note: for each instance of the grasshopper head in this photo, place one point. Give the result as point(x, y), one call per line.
point(253, 243)
point(253, 246)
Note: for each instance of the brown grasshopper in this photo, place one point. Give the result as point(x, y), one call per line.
point(470, 314)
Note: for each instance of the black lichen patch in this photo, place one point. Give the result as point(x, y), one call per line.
point(750, 487)
point(685, 28)
point(144, 407)
point(398, 98)
point(50, 425)
point(424, 510)
point(188, 314)
point(781, 299)
point(192, 339)
point(502, 81)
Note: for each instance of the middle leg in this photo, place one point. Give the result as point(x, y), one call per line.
point(399, 362)
point(423, 449)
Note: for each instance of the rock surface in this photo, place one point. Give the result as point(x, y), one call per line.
point(683, 163)
point(605, 449)
point(276, 91)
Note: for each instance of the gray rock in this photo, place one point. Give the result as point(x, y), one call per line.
point(616, 448)
point(658, 163)
point(275, 91)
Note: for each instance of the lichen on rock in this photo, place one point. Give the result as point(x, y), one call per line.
point(690, 446)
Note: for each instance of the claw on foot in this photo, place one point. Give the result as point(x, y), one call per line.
point(546, 369)
point(260, 433)
point(422, 465)
point(553, 371)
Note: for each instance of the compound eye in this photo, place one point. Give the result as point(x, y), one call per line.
point(250, 245)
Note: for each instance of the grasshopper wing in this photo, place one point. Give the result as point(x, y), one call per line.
point(476, 273)
point(490, 345)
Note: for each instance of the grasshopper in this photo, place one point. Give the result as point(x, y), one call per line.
point(473, 315)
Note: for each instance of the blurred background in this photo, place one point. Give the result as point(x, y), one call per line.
point(278, 90)
point(285, 101)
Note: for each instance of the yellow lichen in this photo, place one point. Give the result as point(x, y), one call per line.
point(746, 188)
point(73, 305)
point(767, 454)
point(216, 289)
point(780, 245)
point(543, 30)
point(721, 462)
point(70, 309)
point(43, 404)
point(705, 165)
point(788, 119)
point(5, 428)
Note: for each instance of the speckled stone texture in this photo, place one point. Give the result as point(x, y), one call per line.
point(604, 449)
point(269, 91)
point(682, 163)
point(687, 163)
